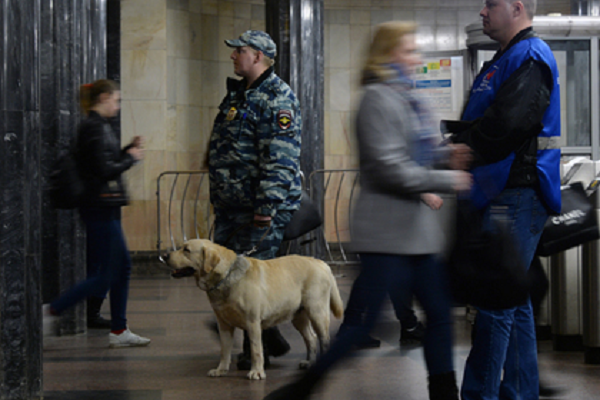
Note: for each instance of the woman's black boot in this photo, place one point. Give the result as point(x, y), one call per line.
point(443, 387)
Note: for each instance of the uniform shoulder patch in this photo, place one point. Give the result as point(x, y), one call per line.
point(285, 119)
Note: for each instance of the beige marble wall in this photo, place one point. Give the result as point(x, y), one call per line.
point(174, 66)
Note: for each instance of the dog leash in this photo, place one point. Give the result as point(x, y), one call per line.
point(254, 249)
point(247, 253)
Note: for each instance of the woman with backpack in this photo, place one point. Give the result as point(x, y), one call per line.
point(101, 163)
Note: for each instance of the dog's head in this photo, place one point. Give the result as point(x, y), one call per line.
point(197, 257)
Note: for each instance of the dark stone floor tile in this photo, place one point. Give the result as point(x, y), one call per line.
point(104, 395)
point(183, 349)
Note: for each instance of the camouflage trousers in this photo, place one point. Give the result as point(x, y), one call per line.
point(248, 235)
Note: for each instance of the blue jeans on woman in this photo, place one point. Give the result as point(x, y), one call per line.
point(107, 251)
point(422, 275)
point(506, 338)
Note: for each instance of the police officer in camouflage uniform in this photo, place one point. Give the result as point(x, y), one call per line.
point(254, 162)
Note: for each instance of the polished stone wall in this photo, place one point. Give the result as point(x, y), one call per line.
point(47, 50)
point(297, 28)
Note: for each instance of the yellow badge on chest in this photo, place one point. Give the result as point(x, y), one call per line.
point(231, 114)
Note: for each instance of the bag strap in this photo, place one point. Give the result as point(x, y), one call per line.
point(569, 175)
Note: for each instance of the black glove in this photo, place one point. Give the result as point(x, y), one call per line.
point(262, 224)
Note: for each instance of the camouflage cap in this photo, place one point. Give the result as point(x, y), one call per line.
point(258, 40)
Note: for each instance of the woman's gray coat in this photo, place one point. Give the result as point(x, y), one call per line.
point(389, 216)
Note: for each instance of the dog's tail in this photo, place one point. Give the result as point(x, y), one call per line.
point(335, 301)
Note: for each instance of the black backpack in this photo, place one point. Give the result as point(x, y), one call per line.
point(65, 186)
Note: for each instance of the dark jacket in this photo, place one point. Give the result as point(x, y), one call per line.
point(101, 162)
point(254, 155)
point(513, 121)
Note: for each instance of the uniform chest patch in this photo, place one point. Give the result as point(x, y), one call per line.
point(284, 119)
point(231, 114)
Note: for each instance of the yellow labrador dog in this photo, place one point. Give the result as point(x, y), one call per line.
point(252, 294)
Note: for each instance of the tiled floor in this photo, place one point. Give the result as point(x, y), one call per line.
point(174, 313)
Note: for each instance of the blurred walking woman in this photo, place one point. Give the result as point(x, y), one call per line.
point(395, 231)
point(101, 163)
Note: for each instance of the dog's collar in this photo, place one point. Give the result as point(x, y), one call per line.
point(219, 284)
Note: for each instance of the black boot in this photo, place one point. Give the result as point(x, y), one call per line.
point(274, 341)
point(366, 342)
point(443, 387)
point(414, 335)
point(94, 319)
point(550, 391)
point(244, 360)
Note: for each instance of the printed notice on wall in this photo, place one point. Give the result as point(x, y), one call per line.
point(440, 83)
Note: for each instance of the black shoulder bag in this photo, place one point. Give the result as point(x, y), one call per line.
point(575, 225)
point(304, 220)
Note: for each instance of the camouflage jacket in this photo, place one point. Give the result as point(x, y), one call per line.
point(254, 153)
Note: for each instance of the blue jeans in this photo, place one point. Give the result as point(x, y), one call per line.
point(422, 275)
point(401, 300)
point(505, 339)
point(108, 253)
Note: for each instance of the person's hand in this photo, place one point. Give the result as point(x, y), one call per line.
point(462, 181)
point(460, 157)
point(136, 152)
point(137, 141)
point(261, 221)
point(434, 201)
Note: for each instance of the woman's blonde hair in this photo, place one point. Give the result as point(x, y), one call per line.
point(89, 94)
point(387, 37)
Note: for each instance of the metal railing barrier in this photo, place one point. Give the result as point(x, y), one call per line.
point(187, 217)
point(337, 198)
point(191, 178)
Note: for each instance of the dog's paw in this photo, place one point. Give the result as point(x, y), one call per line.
point(256, 375)
point(304, 364)
point(217, 372)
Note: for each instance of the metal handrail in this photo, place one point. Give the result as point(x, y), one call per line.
point(327, 178)
point(196, 200)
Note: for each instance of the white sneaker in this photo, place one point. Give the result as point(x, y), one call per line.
point(127, 339)
point(49, 321)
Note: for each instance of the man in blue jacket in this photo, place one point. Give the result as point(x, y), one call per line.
point(514, 110)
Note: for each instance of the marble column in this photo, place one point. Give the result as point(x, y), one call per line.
point(113, 50)
point(20, 183)
point(49, 47)
point(297, 28)
point(74, 53)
